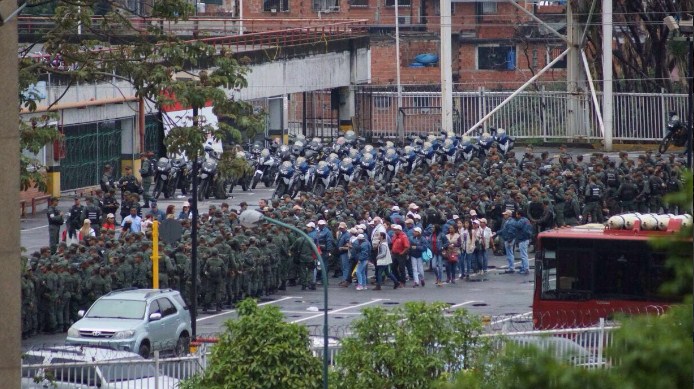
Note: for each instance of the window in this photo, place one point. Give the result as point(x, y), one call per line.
point(496, 58)
point(166, 307)
point(421, 102)
point(276, 5)
point(358, 3)
point(121, 309)
point(486, 8)
point(552, 53)
point(401, 3)
point(326, 5)
point(180, 300)
point(154, 307)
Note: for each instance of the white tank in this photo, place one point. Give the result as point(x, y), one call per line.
point(616, 222)
point(630, 218)
point(649, 222)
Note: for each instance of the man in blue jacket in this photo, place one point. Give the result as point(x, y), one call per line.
point(523, 232)
point(418, 245)
point(507, 235)
point(343, 250)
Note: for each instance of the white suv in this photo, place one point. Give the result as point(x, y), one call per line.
point(136, 320)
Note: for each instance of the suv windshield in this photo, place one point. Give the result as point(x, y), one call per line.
point(117, 309)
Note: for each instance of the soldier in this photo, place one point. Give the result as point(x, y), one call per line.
point(29, 304)
point(658, 189)
point(48, 299)
point(75, 219)
point(110, 204)
point(214, 271)
point(593, 200)
point(304, 258)
point(93, 213)
point(147, 174)
point(128, 183)
point(106, 182)
point(626, 193)
point(55, 220)
point(571, 209)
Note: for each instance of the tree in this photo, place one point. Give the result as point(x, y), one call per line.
point(260, 350)
point(409, 347)
point(649, 351)
point(131, 45)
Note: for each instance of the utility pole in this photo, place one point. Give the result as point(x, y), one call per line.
point(607, 99)
point(400, 130)
point(446, 67)
point(194, 240)
point(10, 276)
point(574, 115)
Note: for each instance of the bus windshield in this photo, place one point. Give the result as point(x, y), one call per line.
point(601, 269)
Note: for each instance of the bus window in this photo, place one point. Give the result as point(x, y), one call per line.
point(568, 275)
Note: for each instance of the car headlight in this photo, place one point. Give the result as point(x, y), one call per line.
point(123, 334)
point(73, 332)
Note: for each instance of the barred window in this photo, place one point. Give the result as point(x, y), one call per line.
point(276, 5)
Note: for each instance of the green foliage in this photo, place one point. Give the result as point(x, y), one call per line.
point(260, 350)
point(407, 347)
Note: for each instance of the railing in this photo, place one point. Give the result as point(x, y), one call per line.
point(152, 373)
point(542, 114)
point(198, 26)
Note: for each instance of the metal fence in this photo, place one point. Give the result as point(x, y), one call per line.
point(89, 147)
point(159, 373)
point(583, 347)
point(531, 114)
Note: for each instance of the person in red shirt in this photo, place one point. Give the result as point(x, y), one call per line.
point(399, 250)
point(110, 223)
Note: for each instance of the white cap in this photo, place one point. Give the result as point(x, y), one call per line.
point(456, 217)
point(483, 220)
point(352, 230)
point(397, 227)
point(322, 222)
point(377, 220)
point(412, 206)
point(473, 212)
point(417, 216)
point(361, 236)
point(418, 229)
point(409, 221)
point(311, 224)
point(363, 227)
point(395, 208)
point(186, 204)
point(476, 221)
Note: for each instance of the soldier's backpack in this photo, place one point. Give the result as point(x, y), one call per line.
point(611, 178)
point(214, 271)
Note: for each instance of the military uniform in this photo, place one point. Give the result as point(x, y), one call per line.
point(214, 272)
point(55, 220)
point(147, 174)
point(303, 257)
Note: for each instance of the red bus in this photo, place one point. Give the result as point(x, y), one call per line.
point(590, 272)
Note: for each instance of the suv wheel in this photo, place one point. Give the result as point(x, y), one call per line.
point(182, 345)
point(144, 350)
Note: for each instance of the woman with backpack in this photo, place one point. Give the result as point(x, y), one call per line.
point(437, 243)
point(452, 253)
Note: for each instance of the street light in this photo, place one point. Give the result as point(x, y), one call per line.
point(250, 218)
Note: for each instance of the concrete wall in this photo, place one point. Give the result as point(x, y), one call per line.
point(315, 72)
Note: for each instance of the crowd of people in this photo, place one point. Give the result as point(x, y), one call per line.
point(447, 218)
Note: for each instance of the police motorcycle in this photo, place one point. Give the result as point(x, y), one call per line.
point(246, 176)
point(676, 133)
point(410, 159)
point(448, 152)
point(266, 169)
point(347, 170)
point(209, 182)
point(304, 175)
point(285, 178)
point(178, 177)
point(161, 178)
point(326, 174)
point(313, 151)
point(391, 164)
point(467, 149)
point(368, 167)
point(484, 144)
point(341, 147)
point(428, 154)
point(504, 142)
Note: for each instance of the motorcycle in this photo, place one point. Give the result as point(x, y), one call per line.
point(392, 164)
point(324, 177)
point(410, 159)
point(677, 133)
point(346, 172)
point(163, 173)
point(267, 166)
point(504, 143)
point(484, 144)
point(304, 180)
point(209, 183)
point(285, 179)
point(429, 154)
point(467, 149)
point(368, 167)
point(177, 178)
point(246, 177)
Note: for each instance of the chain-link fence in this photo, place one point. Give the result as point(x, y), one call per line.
point(154, 136)
point(89, 147)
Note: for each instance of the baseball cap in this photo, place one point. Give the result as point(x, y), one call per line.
point(352, 230)
point(409, 221)
point(456, 217)
point(395, 208)
point(412, 206)
point(361, 236)
point(418, 229)
point(342, 225)
point(110, 215)
point(322, 222)
point(507, 212)
point(297, 208)
point(311, 224)
point(186, 204)
point(397, 227)
point(483, 220)
point(473, 212)
point(476, 221)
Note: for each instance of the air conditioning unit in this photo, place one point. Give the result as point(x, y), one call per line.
point(405, 19)
point(273, 10)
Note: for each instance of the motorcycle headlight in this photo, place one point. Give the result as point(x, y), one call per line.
point(73, 332)
point(124, 334)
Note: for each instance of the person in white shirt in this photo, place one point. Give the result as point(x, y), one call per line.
point(485, 234)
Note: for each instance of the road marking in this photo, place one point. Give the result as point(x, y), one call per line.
point(338, 310)
point(465, 303)
point(511, 318)
point(233, 310)
point(313, 313)
point(34, 228)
